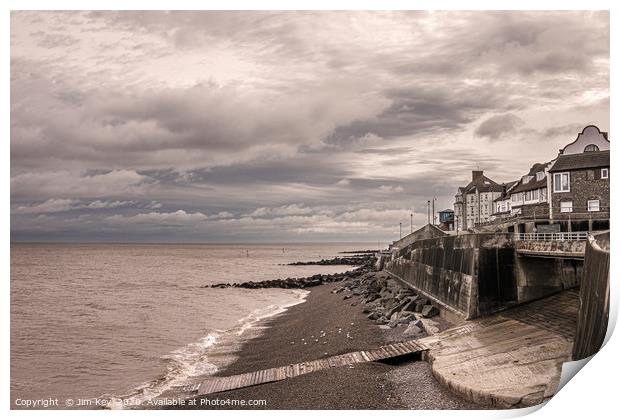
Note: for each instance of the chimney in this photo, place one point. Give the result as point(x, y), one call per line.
point(476, 174)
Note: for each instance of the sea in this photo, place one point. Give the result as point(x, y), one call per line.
point(116, 325)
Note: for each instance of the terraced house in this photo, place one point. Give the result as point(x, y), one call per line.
point(503, 204)
point(568, 193)
point(580, 183)
point(474, 202)
point(529, 196)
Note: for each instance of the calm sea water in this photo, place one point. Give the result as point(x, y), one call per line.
point(120, 320)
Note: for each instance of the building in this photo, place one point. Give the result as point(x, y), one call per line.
point(502, 204)
point(458, 209)
point(591, 139)
point(446, 219)
point(569, 193)
point(579, 183)
point(529, 197)
point(474, 202)
point(580, 194)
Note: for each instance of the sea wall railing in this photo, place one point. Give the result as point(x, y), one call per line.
point(552, 236)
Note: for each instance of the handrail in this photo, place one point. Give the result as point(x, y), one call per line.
point(552, 236)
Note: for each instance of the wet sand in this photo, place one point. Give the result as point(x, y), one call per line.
point(345, 328)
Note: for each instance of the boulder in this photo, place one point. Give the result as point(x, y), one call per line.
point(409, 305)
point(368, 308)
point(431, 327)
point(389, 312)
point(406, 319)
point(373, 316)
point(412, 330)
point(419, 306)
point(429, 311)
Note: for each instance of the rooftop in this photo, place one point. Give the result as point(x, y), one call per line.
point(584, 160)
point(509, 187)
point(532, 185)
point(483, 184)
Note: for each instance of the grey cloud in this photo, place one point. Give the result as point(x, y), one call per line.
point(498, 125)
point(285, 125)
point(418, 110)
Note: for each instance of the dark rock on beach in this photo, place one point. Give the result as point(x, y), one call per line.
point(304, 282)
point(353, 260)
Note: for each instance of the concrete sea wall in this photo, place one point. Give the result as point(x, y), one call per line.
point(593, 298)
point(468, 276)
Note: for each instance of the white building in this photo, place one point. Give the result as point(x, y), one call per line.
point(474, 202)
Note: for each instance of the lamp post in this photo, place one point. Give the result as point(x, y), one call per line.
point(400, 230)
point(411, 222)
point(428, 211)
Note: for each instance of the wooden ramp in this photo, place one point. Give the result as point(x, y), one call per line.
point(219, 384)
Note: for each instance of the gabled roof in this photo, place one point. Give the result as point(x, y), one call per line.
point(584, 160)
point(537, 167)
point(509, 187)
point(532, 185)
point(588, 133)
point(483, 184)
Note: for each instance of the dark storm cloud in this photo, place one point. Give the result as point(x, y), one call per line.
point(414, 111)
point(280, 124)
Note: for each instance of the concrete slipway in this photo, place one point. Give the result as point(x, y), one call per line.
point(512, 359)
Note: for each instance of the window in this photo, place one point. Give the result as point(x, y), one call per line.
point(531, 195)
point(593, 205)
point(561, 182)
point(566, 206)
point(591, 148)
point(605, 173)
point(540, 176)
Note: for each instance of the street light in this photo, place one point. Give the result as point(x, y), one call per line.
point(400, 229)
point(428, 211)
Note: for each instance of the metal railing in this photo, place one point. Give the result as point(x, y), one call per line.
point(552, 236)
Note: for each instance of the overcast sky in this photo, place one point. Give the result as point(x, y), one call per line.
point(265, 126)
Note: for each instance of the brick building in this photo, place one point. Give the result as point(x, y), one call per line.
point(579, 183)
point(569, 193)
point(580, 194)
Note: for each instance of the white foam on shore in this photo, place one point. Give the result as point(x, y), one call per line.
point(194, 362)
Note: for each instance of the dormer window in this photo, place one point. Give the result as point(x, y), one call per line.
point(591, 148)
point(526, 179)
point(540, 176)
